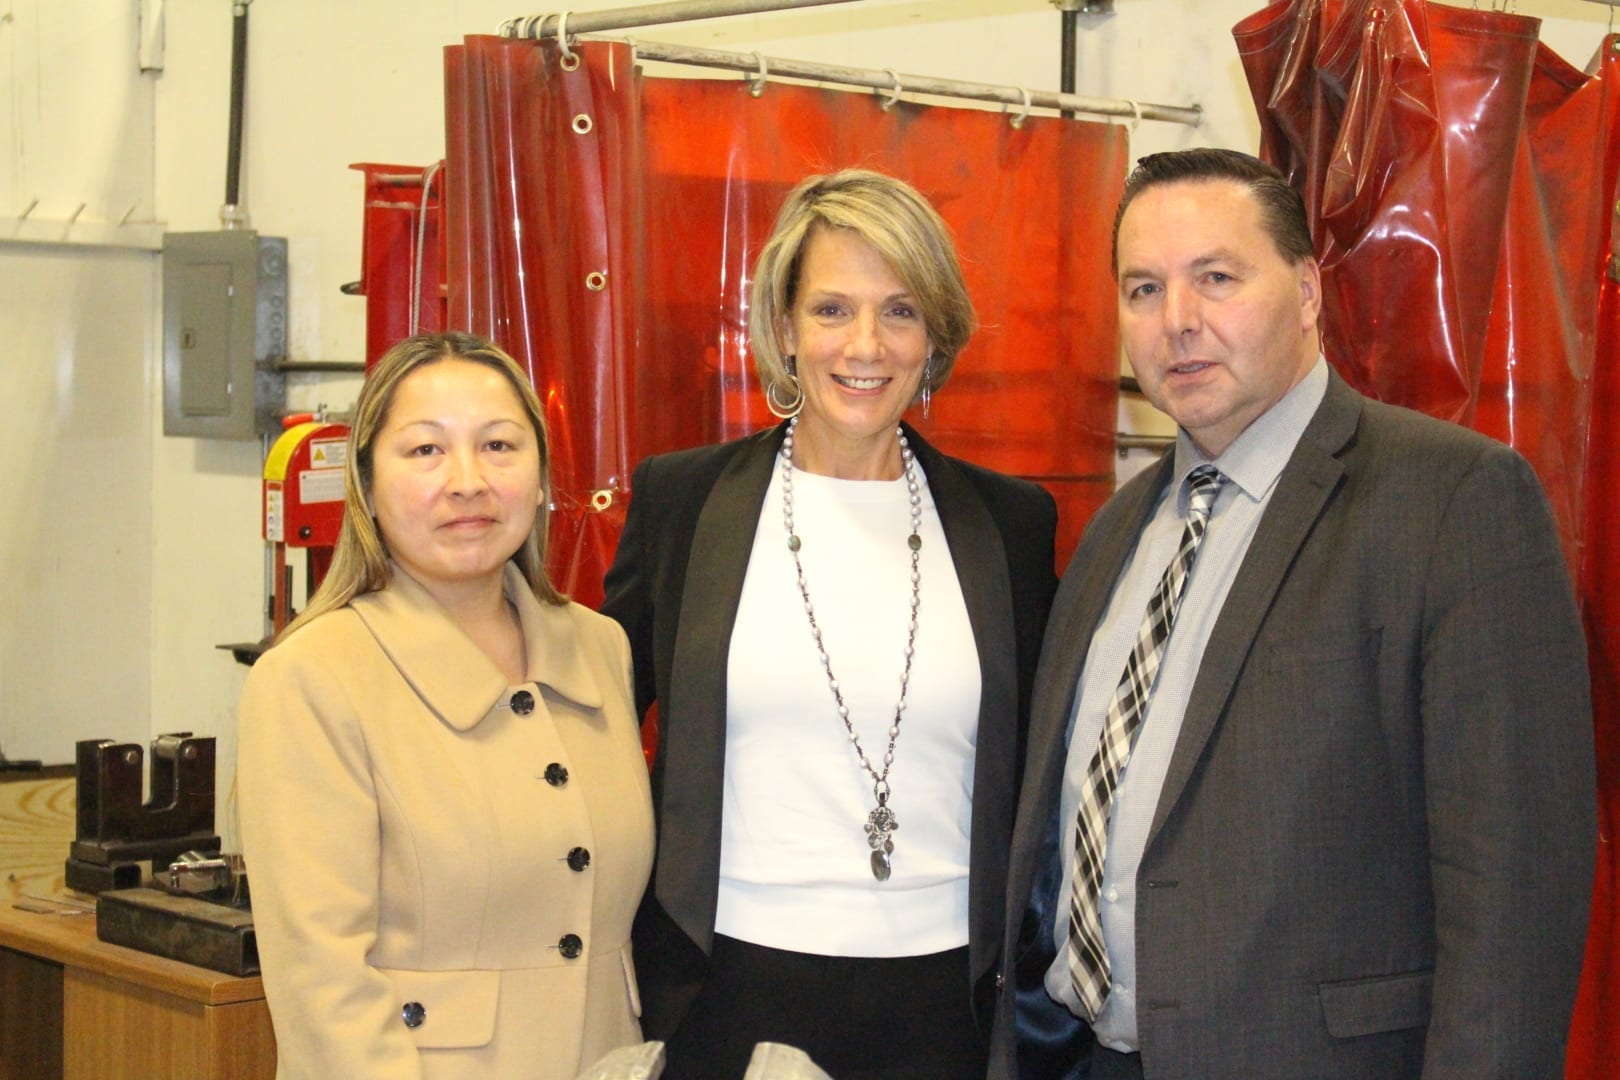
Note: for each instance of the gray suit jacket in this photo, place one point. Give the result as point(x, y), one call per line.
point(1372, 856)
point(675, 584)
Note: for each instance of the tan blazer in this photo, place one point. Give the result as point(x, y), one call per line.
point(408, 831)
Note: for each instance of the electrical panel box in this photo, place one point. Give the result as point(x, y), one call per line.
point(224, 334)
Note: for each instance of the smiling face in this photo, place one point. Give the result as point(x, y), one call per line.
point(455, 480)
point(1217, 324)
point(861, 346)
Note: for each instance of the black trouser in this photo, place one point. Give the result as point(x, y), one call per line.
point(905, 1018)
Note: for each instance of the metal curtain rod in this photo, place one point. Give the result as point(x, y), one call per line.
point(917, 84)
point(591, 22)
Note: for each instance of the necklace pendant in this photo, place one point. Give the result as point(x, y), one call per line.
point(880, 824)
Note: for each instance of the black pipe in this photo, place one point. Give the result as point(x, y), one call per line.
point(1071, 41)
point(233, 153)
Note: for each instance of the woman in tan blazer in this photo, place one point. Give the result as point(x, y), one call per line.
point(444, 805)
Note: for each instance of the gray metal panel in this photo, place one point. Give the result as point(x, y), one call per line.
point(224, 332)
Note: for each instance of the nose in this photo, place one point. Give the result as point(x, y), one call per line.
point(466, 475)
point(1182, 312)
point(865, 341)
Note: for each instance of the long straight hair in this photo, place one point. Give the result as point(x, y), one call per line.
point(360, 564)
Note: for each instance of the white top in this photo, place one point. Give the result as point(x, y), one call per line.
point(795, 866)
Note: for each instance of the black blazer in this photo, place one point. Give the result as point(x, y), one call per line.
point(688, 537)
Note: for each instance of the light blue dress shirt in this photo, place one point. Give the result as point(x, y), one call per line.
point(1252, 465)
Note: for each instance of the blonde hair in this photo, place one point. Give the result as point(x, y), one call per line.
point(360, 564)
point(900, 225)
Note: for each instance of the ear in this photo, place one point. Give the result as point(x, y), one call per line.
point(1310, 293)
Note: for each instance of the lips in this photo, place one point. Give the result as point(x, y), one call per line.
point(851, 383)
point(1191, 368)
point(469, 522)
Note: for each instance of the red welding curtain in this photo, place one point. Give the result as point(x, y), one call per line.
point(665, 189)
point(1460, 179)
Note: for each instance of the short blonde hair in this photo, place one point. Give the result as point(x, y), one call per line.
point(360, 564)
point(900, 225)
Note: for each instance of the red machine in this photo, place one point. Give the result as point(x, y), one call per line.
point(303, 505)
point(401, 255)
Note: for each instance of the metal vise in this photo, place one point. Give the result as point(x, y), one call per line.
point(117, 832)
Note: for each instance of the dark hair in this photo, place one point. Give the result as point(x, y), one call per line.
point(1282, 211)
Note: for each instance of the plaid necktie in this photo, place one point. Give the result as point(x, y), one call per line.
point(1088, 959)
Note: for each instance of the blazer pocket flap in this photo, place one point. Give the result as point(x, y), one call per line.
point(447, 1009)
point(1369, 1006)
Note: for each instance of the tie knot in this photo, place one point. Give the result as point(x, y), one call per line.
point(1203, 484)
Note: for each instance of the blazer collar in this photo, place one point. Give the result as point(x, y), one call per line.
point(1308, 482)
point(451, 674)
point(693, 719)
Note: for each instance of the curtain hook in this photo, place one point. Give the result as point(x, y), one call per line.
point(530, 28)
point(1136, 114)
point(566, 59)
point(1018, 121)
point(756, 85)
point(894, 95)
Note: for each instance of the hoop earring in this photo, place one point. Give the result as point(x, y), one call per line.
point(789, 409)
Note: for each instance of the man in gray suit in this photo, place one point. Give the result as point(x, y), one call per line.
point(1310, 787)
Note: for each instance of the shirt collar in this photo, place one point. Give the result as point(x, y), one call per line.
point(450, 673)
point(1256, 457)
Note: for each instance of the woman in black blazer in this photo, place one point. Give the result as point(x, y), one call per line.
point(840, 626)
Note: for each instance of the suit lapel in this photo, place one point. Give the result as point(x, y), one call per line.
point(1307, 483)
point(1078, 608)
point(980, 559)
point(688, 844)
point(1082, 598)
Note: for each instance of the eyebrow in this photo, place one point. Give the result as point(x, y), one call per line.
point(839, 294)
point(439, 424)
point(1202, 262)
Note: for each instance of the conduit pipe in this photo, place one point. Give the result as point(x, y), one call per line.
point(918, 84)
point(592, 22)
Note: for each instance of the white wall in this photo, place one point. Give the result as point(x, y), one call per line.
point(125, 556)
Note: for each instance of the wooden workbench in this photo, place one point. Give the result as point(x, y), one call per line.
point(76, 1007)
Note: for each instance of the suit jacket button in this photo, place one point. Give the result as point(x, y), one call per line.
point(523, 703)
point(1001, 980)
point(556, 775)
point(578, 859)
point(413, 1014)
point(570, 946)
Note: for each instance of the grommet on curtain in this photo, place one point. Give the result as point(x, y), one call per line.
point(596, 281)
point(601, 500)
point(1018, 121)
point(583, 124)
point(756, 85)
point(566, 59)
point(894, 95)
